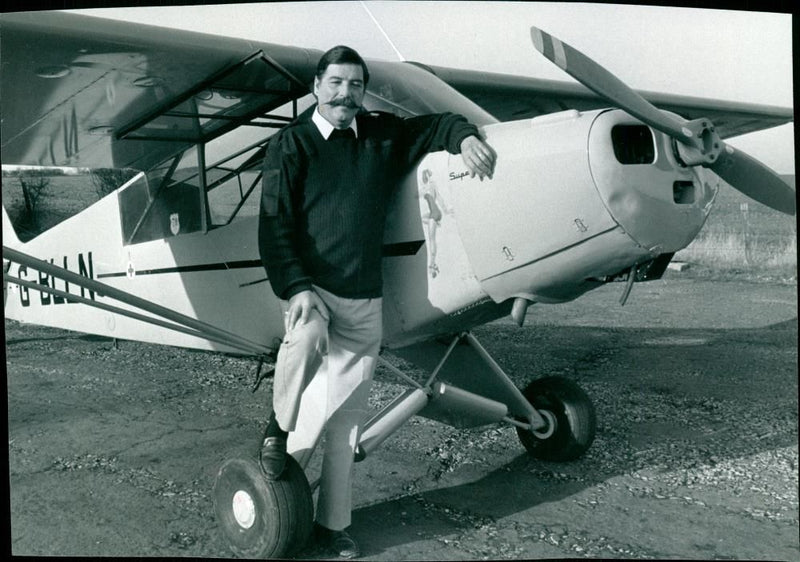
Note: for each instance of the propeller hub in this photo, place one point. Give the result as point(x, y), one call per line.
point(704, 146)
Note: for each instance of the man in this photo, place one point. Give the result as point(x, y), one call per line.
point(327, 181)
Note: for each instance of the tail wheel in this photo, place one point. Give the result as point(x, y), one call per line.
point(571, 417)
point(262, 518)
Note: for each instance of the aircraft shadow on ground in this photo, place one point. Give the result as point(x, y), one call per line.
point(734, 385)
point(712, 359)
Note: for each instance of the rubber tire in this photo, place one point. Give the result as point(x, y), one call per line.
point(575, 419)
point(284, 509)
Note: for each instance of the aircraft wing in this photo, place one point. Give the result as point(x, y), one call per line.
point(89, 92)
point(85, 91)
point(510, 97)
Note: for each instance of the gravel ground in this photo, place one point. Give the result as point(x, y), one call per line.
point(113, 449)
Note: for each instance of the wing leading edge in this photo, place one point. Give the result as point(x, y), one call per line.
point(509, 97)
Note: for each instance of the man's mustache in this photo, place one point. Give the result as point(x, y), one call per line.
point(345, 101)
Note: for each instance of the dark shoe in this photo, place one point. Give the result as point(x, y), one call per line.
point(273, 457)
point(339, 542)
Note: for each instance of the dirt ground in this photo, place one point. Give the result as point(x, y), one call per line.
point(113, 450)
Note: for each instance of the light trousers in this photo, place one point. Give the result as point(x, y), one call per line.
point(322, 380)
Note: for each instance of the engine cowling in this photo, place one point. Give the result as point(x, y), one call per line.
point(575, 197)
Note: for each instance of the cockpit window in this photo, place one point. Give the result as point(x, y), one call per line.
point(407, 89)
point(37, 199)
point(164, 202)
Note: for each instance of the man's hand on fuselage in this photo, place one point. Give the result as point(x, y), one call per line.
point(300, 307)
point(478, 156)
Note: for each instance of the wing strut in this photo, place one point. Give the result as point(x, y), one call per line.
point(177, 321)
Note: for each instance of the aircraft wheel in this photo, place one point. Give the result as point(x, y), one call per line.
point(571, 415)
point(262, 518)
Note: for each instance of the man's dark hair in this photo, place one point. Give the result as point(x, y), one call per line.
point(341, 54)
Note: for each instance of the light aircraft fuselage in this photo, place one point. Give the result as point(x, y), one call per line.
point(561, 216)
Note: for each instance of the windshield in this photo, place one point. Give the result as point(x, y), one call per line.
point(406, 89)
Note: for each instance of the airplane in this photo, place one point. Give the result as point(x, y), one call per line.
point(594, 184)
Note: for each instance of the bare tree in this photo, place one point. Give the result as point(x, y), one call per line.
point(33, 184)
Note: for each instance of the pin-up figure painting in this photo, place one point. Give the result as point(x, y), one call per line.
point(434, 208)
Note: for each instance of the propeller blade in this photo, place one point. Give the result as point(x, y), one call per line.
point(605, 84)
point(698, 144)
point(754, 179)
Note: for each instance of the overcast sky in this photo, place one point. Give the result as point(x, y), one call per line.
point(722, 54)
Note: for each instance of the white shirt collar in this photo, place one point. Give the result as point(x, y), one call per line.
point(325, 127)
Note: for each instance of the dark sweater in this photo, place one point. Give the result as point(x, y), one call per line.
point(323, 202)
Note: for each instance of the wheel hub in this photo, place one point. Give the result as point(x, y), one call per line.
point(244, 509)
point(548, 430)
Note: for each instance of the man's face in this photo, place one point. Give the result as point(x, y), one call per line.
point(340, 92)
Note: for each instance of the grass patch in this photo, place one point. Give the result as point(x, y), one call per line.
point(742, 237)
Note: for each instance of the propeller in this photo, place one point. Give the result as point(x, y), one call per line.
point(697, 142)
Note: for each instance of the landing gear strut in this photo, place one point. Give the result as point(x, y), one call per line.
point(554, 418)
